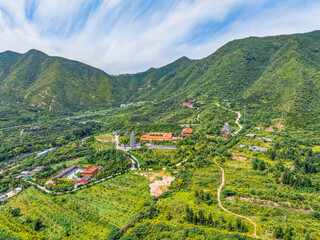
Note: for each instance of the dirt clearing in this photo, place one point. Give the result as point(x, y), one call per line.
point(160, 182)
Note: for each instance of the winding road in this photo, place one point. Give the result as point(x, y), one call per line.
point(223, 179)
point(237, 121)
point(226, 210)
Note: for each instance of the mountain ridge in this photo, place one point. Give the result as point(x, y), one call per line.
point(267, 73)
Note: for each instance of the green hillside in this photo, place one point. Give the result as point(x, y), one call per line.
point(271, 75)
point(37, 82)
point(144, 82)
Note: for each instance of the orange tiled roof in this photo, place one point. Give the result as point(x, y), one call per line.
point(90, 170)
point(156, 136)
point(187, 132)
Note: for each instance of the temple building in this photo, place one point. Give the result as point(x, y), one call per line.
point(132, 141)
point(226, 130)
point(186, 132)
point(91, 171)
point(156, 136)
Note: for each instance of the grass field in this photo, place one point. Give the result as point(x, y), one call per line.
point(106, 138)
point(260, 198)
point(158, 158)
point(87, 214)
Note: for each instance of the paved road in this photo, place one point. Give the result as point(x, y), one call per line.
point(75, 189)
point(226, 210)
point(237, 121)
point(135, 160)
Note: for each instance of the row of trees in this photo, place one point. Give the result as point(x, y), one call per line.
point(199, 218)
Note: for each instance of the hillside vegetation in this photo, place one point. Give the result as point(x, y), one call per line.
point(271, 75)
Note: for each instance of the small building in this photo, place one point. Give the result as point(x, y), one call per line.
point(188, 104)
point(226, 130)
point(226, 100)
point(255, 148)
point(122, 105)
point(186, 132)
point(3, 198)
point(91, 171)
point(241, 146)
point(27, 174)
point(64, 172)
point(85, 179)
point(17, 190)
point(100, 167)
point(268, 139)
point(258, 128)
point(265, 139)
point(252, 135)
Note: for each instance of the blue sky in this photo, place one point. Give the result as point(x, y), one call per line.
point(128, 36)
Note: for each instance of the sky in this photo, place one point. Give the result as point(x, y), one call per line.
point(129, 36)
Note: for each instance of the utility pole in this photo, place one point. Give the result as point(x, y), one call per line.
point(285, 216)
point(244, 113)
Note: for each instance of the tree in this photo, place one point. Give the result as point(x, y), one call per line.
point(78, 174)
point(37, 224)
point(15, 212)
point(114, 234)
point(210, 220)
point(278, 233)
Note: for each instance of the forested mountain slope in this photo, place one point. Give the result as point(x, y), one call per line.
point(271, 74)
point(37, 81)
point(144, 82)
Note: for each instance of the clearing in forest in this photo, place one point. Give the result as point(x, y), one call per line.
point(106, 138)
point(160, 182)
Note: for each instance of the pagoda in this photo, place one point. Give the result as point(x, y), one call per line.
point(226, 130)
point(132, 141)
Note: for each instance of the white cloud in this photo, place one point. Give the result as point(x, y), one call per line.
point(118, 39)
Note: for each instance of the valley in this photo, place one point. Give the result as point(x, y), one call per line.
point(166, 153)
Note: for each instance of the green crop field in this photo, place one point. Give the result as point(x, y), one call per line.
point(87, 214)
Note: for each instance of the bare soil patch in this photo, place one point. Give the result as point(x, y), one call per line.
point(160, 186)
point(279, 125)
point(157, 187)
point(268, 129)
point(240, 158)
point(115, 185)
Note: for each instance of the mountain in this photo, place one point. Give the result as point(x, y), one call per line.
point(37, 81)
point(270, 75)
point(142, 83)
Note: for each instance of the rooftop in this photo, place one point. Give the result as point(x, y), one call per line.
point(91, 170)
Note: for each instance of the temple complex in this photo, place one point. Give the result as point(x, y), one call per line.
point(91, 171)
